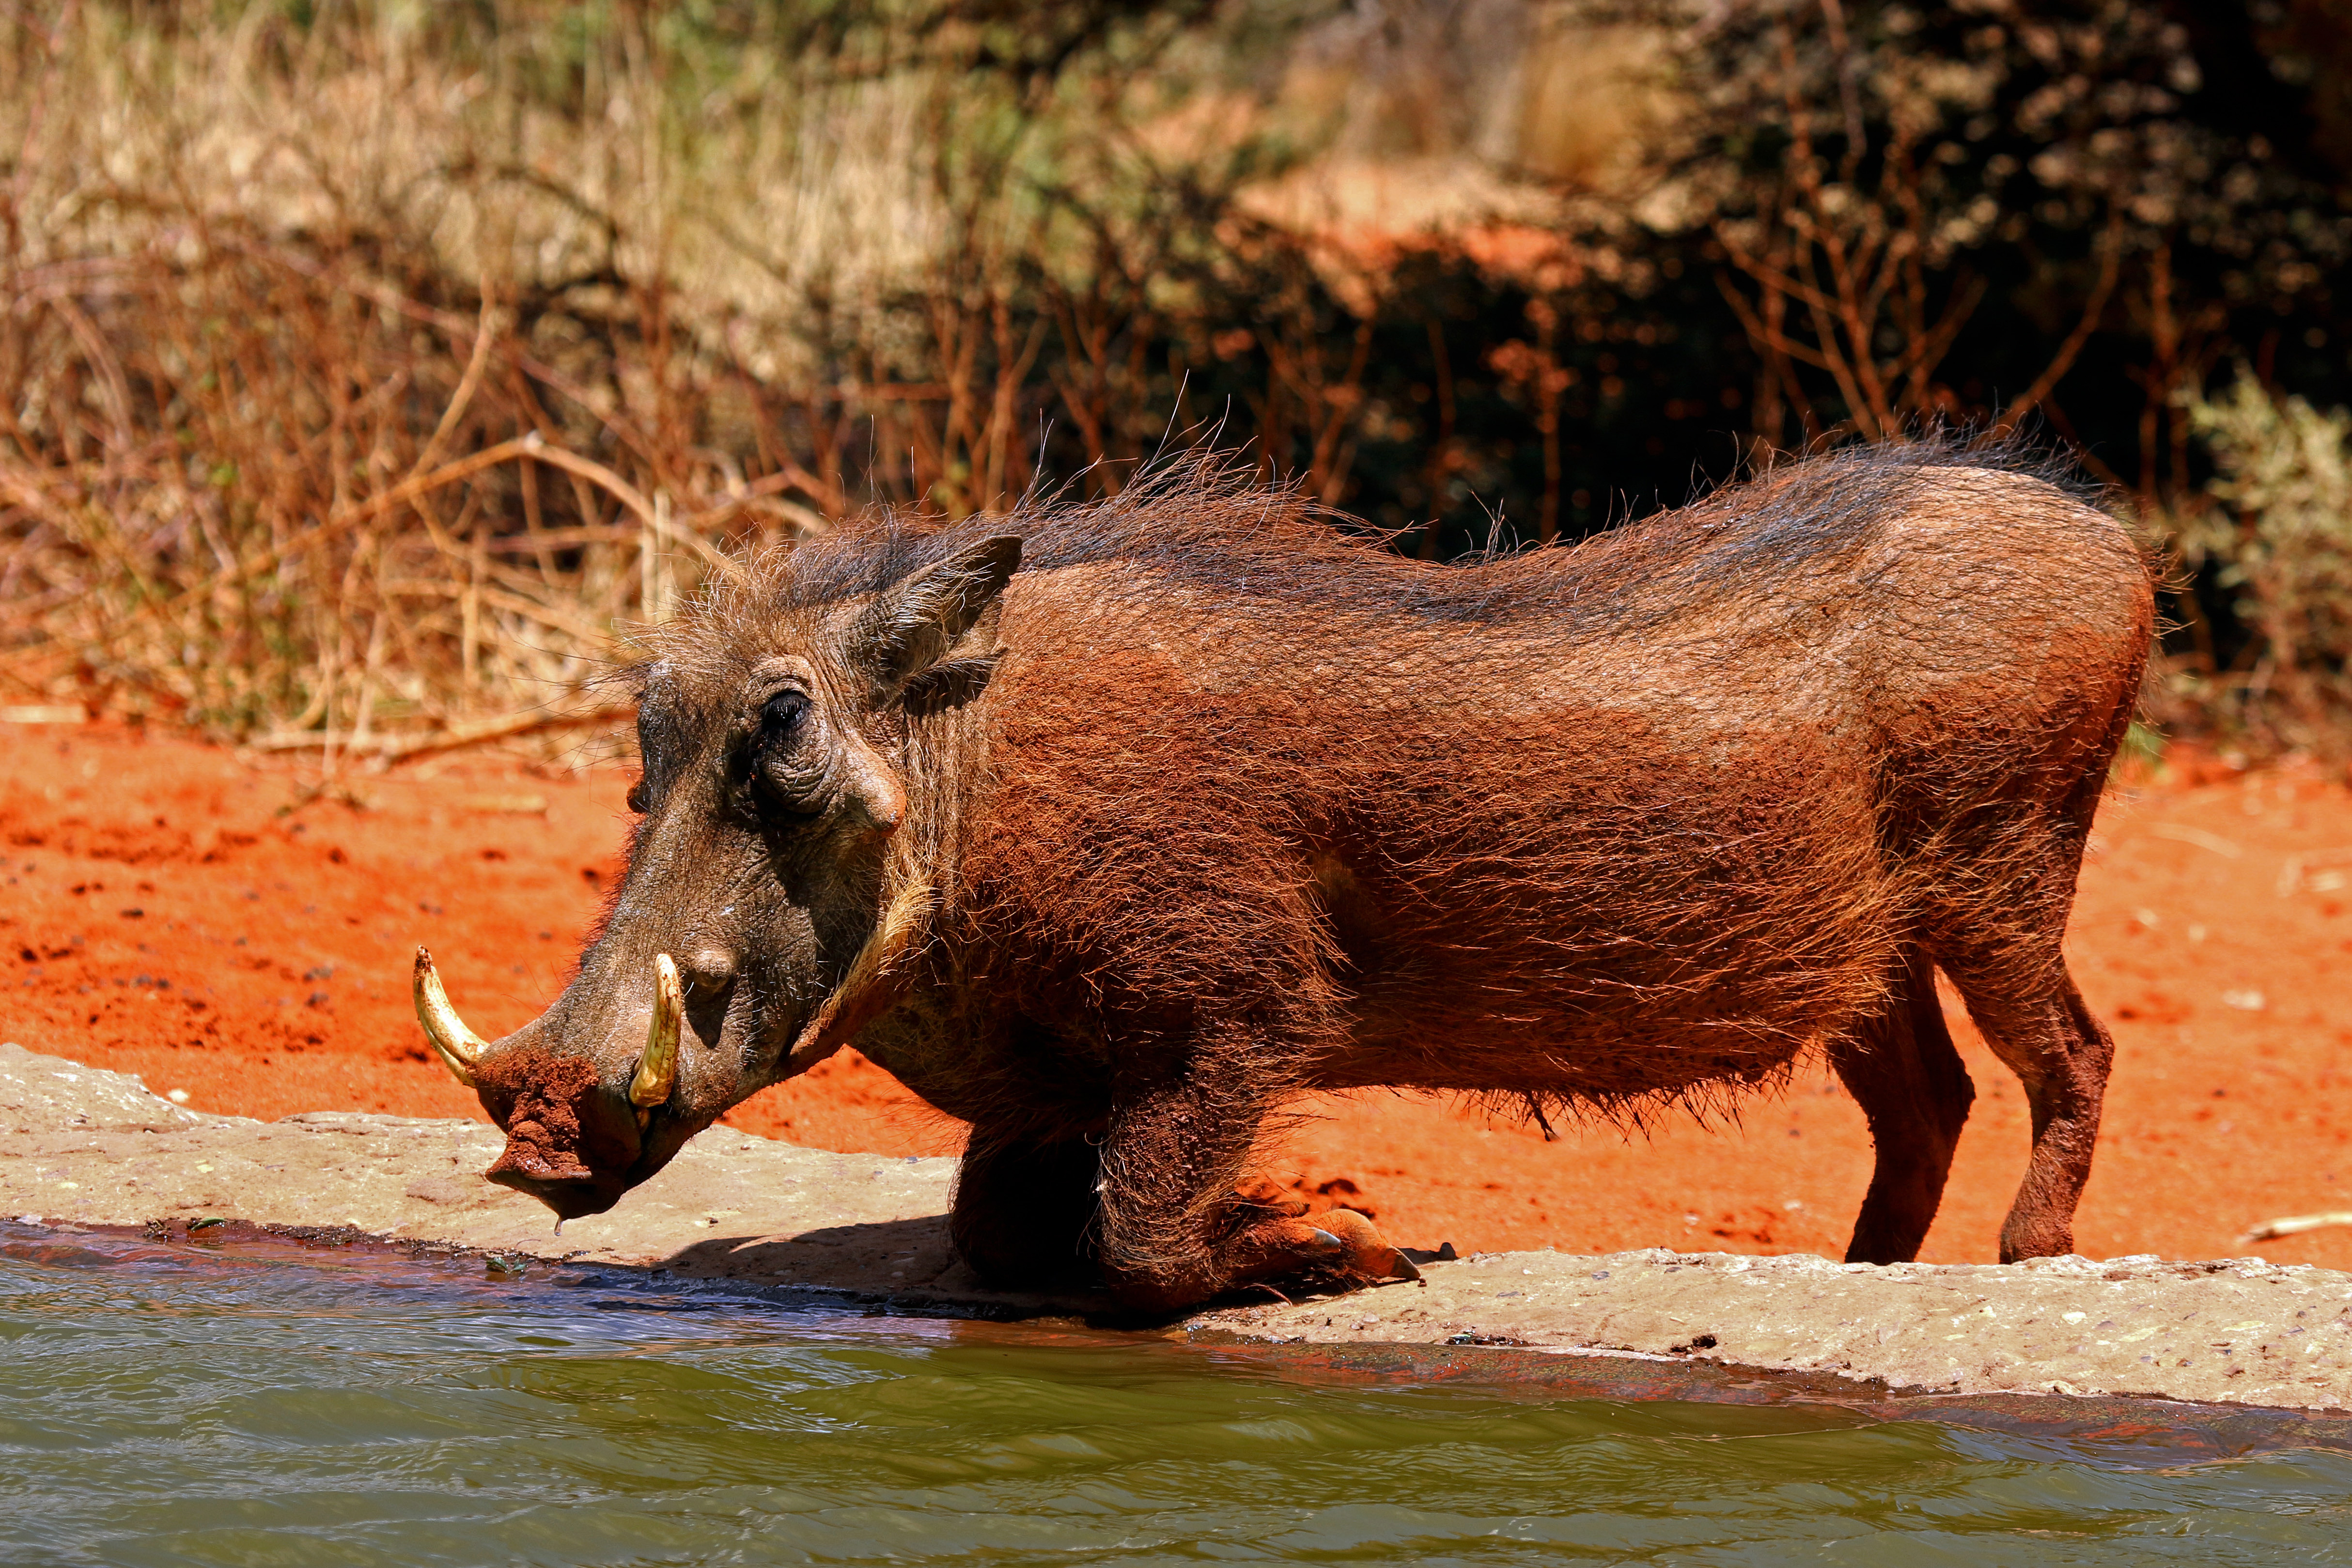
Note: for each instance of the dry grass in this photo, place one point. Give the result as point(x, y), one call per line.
point(362, 377)
point(273, 497)
point(366, 371)
point(358, 385)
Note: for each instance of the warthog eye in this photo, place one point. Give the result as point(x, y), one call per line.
point(782, 719)
point(780, 755)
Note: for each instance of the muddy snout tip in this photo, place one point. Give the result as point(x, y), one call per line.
point(567, 1197)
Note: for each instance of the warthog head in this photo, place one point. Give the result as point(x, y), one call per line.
point(769, 889)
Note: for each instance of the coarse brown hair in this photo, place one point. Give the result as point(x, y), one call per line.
point(1210, 805)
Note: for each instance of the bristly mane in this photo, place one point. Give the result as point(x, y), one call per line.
point(1202, 520)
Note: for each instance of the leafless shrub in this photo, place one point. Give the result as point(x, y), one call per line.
point(1871, 173)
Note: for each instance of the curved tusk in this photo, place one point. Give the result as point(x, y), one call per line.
point(868, 989)
point(657, 1068)
point(459, 1046)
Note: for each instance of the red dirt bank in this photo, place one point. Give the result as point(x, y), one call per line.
point(178, 910)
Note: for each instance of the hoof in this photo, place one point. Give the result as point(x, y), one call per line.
point(1369, 1253)
point(1338, 1248)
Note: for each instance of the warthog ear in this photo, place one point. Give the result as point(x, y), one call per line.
point(912, 626)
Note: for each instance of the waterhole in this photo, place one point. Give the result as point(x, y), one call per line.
point(200, 1402)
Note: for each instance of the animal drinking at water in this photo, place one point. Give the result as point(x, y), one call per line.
point(1109, 829)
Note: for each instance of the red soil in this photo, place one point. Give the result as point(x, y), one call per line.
point(203, 919)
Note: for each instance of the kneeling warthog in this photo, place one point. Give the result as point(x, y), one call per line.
point(1110, 828)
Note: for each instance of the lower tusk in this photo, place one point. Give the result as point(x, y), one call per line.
point(657, 1068)
point(867, 989)
point(459, 1046)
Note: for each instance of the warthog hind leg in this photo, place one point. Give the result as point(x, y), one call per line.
point(1915, 1092)
point(2004, 950)
point(2061, 1054)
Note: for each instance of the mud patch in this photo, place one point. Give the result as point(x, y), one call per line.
point(542, 1100)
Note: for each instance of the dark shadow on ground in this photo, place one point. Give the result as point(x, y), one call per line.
point(908, 1264)
point(905, 1263)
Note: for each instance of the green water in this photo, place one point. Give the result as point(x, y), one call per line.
point(164, 1403)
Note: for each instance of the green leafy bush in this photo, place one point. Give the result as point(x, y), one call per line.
point(2272, 541)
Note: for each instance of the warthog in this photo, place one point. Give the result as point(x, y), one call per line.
point(1107, 828)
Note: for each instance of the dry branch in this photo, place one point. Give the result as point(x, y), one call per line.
point(475, 732)
point(2272, 1230)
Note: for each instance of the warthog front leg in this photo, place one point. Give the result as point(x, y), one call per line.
point(1340, 1243)
point(1024, 1208)
point(1173, 1230)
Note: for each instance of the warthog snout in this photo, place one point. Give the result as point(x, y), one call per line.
point(574, 1141)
